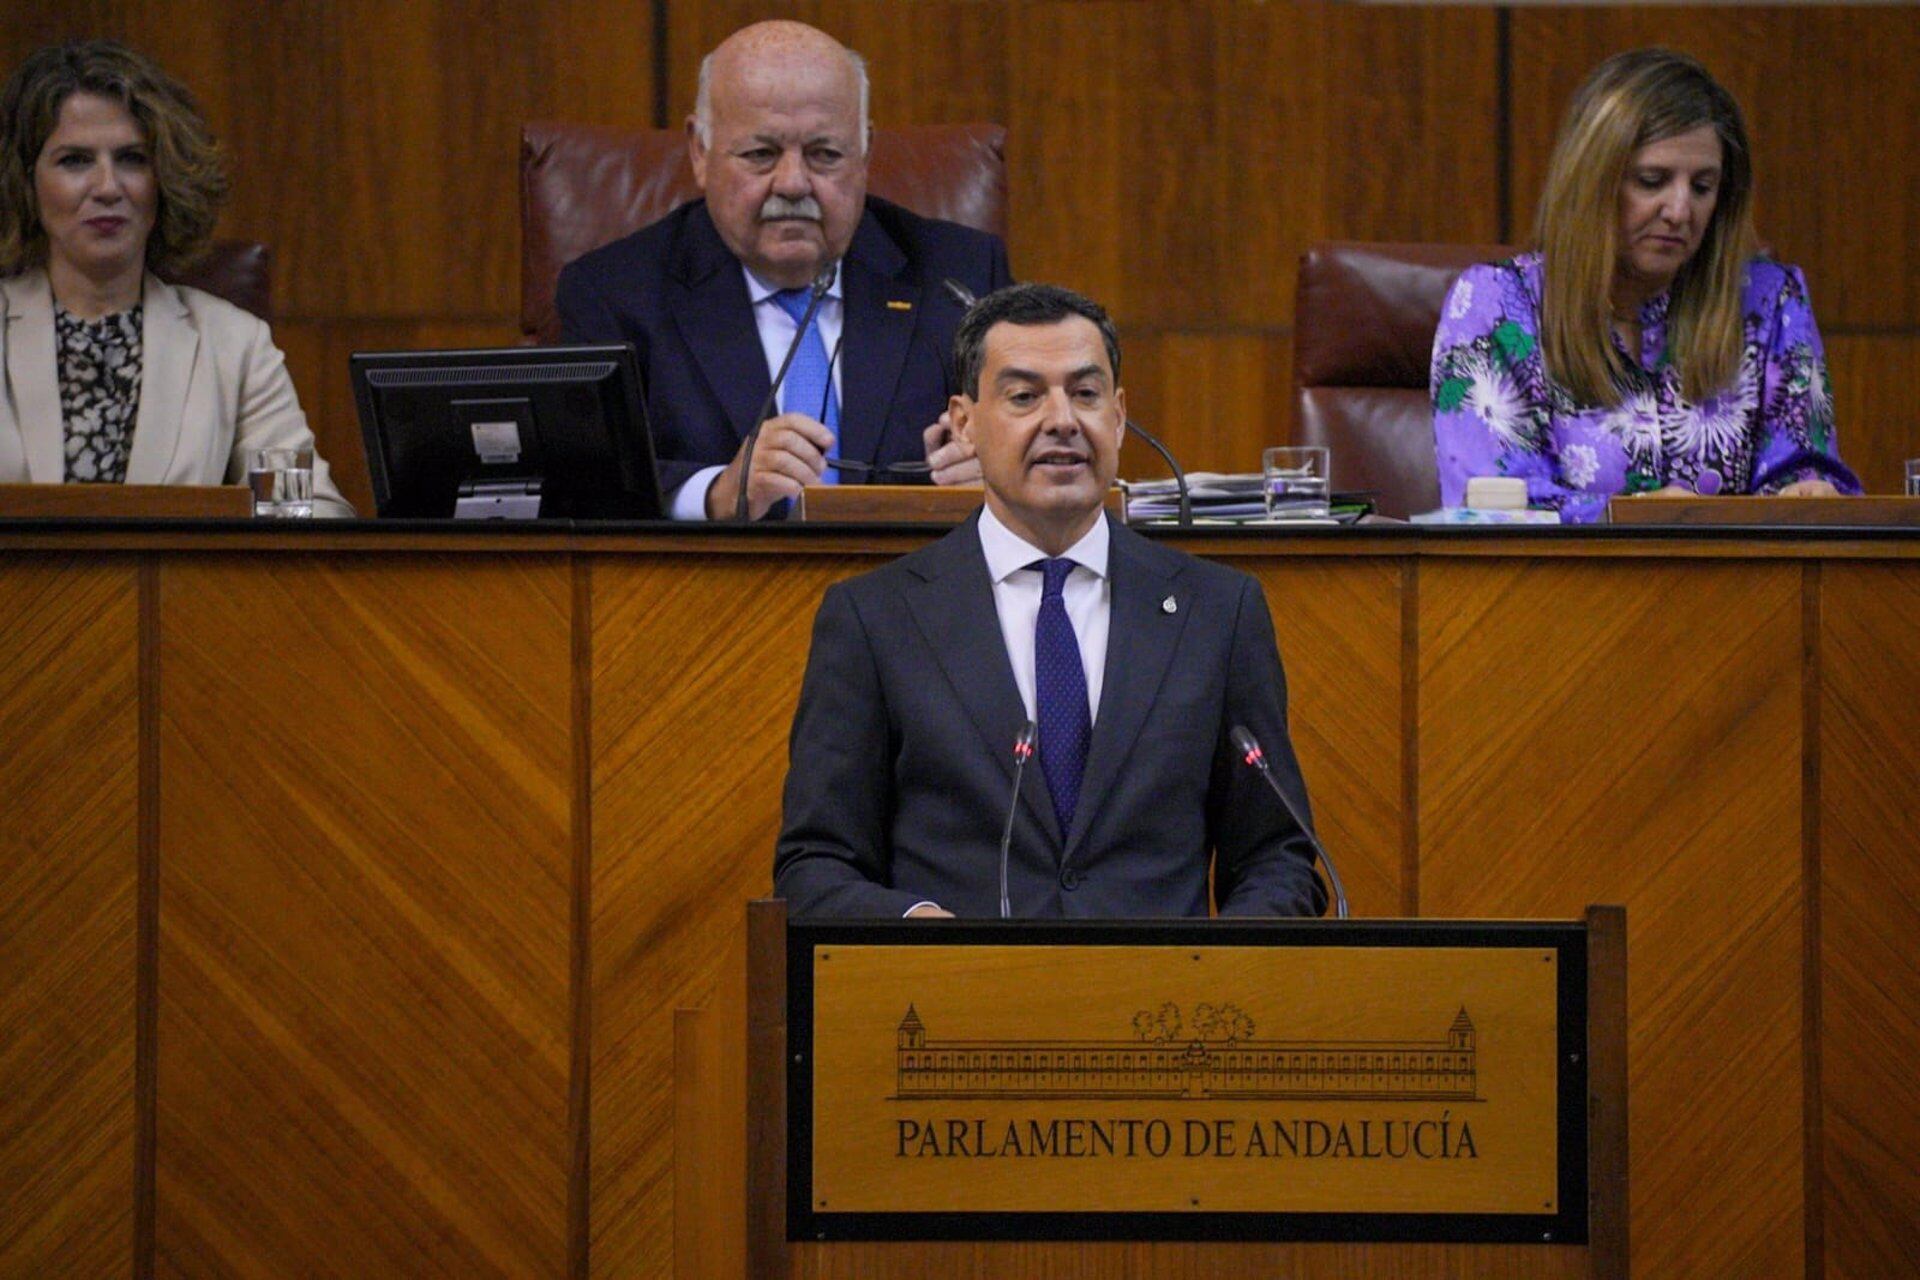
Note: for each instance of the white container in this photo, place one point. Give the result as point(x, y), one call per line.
point(1497, 493)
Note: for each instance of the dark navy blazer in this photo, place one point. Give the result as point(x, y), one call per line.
point(900, 767)
point(677, 293)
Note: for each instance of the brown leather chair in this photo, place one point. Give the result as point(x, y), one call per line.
point(1364, 318)
point(241, 271)
point(582, 187)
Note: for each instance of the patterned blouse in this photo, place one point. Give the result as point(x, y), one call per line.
point(99, 392)
point(1496, 413)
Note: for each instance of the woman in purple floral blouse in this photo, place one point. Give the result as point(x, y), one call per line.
point(1644, 348)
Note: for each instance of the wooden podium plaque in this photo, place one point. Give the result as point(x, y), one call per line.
point(1748, 510)
point(125, 502)
point(1387, 1081)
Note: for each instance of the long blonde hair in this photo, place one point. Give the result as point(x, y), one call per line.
point(1631, 100)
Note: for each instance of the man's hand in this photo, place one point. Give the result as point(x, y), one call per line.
point(927, 911)
point(952, 458)
point(1810, 489)
point(790, 454)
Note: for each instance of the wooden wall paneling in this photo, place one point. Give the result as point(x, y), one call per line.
point(696, 669)
point(1174, 161)
point(1858, 240)
point(1111, 183)
point(1338, 622)
point(1411, 144)
point(366, 886)
point(25, 27)
point(931, 62)
point(1344, 122)
point(1215, 398)
point(594, 66)
point(1869, 891)
point(375, 146)
point(1630, 733)
point(1876, 388)
point(69, 743)
point(382, 143)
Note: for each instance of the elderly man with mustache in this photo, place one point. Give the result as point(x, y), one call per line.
point(712, 295)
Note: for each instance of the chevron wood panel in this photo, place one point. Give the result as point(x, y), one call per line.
point(69, 743)
point(1338, 624)
point(1869, 919)
point(696, 669)
point(1630, 733)
point(364, 929)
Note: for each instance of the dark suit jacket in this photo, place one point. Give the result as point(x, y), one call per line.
point(676, 293)
point(901, 760)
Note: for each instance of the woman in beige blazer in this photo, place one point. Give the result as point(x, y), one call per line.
point(107, 373)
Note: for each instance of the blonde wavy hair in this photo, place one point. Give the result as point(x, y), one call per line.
point(1631, 100)
point(189, 164)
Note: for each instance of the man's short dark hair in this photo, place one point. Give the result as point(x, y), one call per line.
point(1023, 304)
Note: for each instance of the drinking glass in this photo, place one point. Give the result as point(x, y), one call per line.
point(1296, 481)
point(1913, 477)
point(282, 482)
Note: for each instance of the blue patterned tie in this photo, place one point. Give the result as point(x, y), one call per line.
point(1060, 694)
point(809, 383)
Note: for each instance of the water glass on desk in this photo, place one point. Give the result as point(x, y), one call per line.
point(1913, 477)
point(282, 482)
point(1296, 481)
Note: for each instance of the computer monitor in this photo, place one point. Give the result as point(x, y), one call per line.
point(512, 433)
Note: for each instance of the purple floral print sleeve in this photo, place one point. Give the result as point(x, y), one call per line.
point(1495, 413)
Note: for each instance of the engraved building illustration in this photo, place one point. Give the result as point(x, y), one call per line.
point(1156, 1065)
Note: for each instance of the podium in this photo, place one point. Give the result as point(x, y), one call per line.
point(1186, 1098)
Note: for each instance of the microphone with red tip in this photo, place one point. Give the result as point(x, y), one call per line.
point(1254, 758)
point(1022, 752)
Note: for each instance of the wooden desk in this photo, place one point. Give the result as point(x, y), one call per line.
point(364, 892)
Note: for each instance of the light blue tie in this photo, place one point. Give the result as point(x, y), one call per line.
point(809, 384)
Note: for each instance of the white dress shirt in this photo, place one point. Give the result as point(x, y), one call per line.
point(1087, 593)
point(776, 329)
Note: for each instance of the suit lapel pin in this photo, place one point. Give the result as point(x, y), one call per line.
point(895, 304)
point(1169, 605)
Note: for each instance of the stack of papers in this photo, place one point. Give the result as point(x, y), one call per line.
point(1222, 498)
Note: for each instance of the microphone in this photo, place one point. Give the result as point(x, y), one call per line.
point(1022, 752)
point(1253, 757)
point(818, 290)
point(958, 292)
point(1179, 476)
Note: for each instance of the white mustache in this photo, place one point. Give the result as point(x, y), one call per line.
point(780, 209)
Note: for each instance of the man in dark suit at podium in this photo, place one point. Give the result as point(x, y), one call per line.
point(1134, 660)
point(712, 295)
